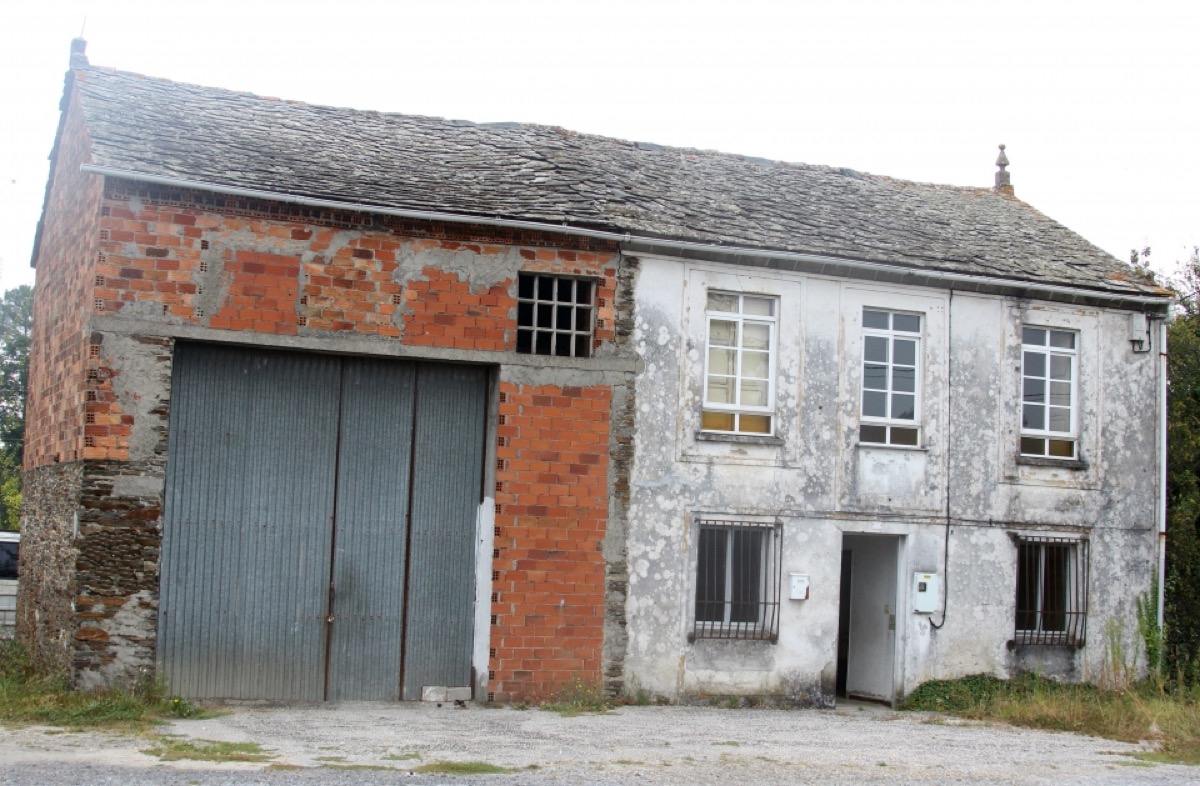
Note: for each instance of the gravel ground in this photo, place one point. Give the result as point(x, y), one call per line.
point(631, 745)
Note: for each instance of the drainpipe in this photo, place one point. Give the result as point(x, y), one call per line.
point(1162, 469)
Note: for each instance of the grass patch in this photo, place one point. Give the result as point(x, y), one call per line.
point(1144, 711)
point(330, 758)
point(578, 697)
point(463, 768)
point(400, 757)
point(169, 749)
point(30, 695)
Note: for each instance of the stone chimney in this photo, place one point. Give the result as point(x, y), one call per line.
point(78, 56)
point(1003, 184)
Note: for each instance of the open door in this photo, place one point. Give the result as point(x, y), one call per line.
point(868, 614)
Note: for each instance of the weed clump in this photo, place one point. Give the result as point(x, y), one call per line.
point(578, 697)
point(30, 694)
point(207, 750)
point(1140, 712)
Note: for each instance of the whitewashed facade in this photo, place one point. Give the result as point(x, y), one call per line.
point(951, 503)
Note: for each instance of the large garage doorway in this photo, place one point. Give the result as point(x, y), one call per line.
point(319, 525)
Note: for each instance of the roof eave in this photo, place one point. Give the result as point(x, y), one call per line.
point(1158, 304)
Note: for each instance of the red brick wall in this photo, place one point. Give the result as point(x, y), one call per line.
point(62, 302)
point(551, 511)
point(173, 260)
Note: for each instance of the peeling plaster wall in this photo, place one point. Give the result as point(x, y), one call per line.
point(959, 500)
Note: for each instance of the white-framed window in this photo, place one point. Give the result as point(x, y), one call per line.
point(555, 315)
point(739, 369)
point(737, 580)
point(1051, 591)
point(891, 378)
point(1049, 392)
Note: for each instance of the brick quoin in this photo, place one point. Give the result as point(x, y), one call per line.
point(552, 503)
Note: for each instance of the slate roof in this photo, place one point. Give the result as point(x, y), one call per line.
point(547, 174)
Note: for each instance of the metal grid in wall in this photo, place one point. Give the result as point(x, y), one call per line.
point(555, 315)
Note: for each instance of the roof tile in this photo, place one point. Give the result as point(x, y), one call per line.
point(548, 174)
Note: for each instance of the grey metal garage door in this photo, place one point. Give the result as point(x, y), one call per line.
point(319, 525)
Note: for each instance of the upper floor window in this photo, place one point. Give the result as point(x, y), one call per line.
point(739, 378)
point(1049, 406)
point(554, 315)
point(891, 384)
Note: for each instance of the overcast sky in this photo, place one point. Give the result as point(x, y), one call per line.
point(1097, 101)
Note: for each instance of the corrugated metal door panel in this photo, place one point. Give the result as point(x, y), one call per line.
point(246, 540)
point(370, 534)
point(447, 468)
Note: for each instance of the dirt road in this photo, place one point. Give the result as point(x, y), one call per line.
point(368, 743)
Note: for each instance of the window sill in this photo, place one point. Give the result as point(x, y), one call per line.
point(884, 446)
point(1060, 643)
point(1057, 463)
point(739, 439)
point(723, 635)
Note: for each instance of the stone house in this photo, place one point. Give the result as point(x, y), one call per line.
point(332, 404)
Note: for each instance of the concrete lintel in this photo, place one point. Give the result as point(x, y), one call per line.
point(354, 345)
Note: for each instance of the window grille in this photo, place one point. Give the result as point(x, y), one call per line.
point(1052, 580)
point(555, 315)
point(737, 581)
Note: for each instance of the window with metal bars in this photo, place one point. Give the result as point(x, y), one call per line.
point(555, 315)
point(1052, 576)
point(737, 580)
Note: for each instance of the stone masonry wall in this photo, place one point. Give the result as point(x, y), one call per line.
point(624, 410)
point(45, 619)
point(120, 511)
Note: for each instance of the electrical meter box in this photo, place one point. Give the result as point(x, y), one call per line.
point(798, 586)
point(925, 590)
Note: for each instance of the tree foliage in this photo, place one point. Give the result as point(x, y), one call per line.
point(16, 323)
point(1182, 607)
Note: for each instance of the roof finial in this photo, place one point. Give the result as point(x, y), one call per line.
point(78, 56)
point(1003, 184)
